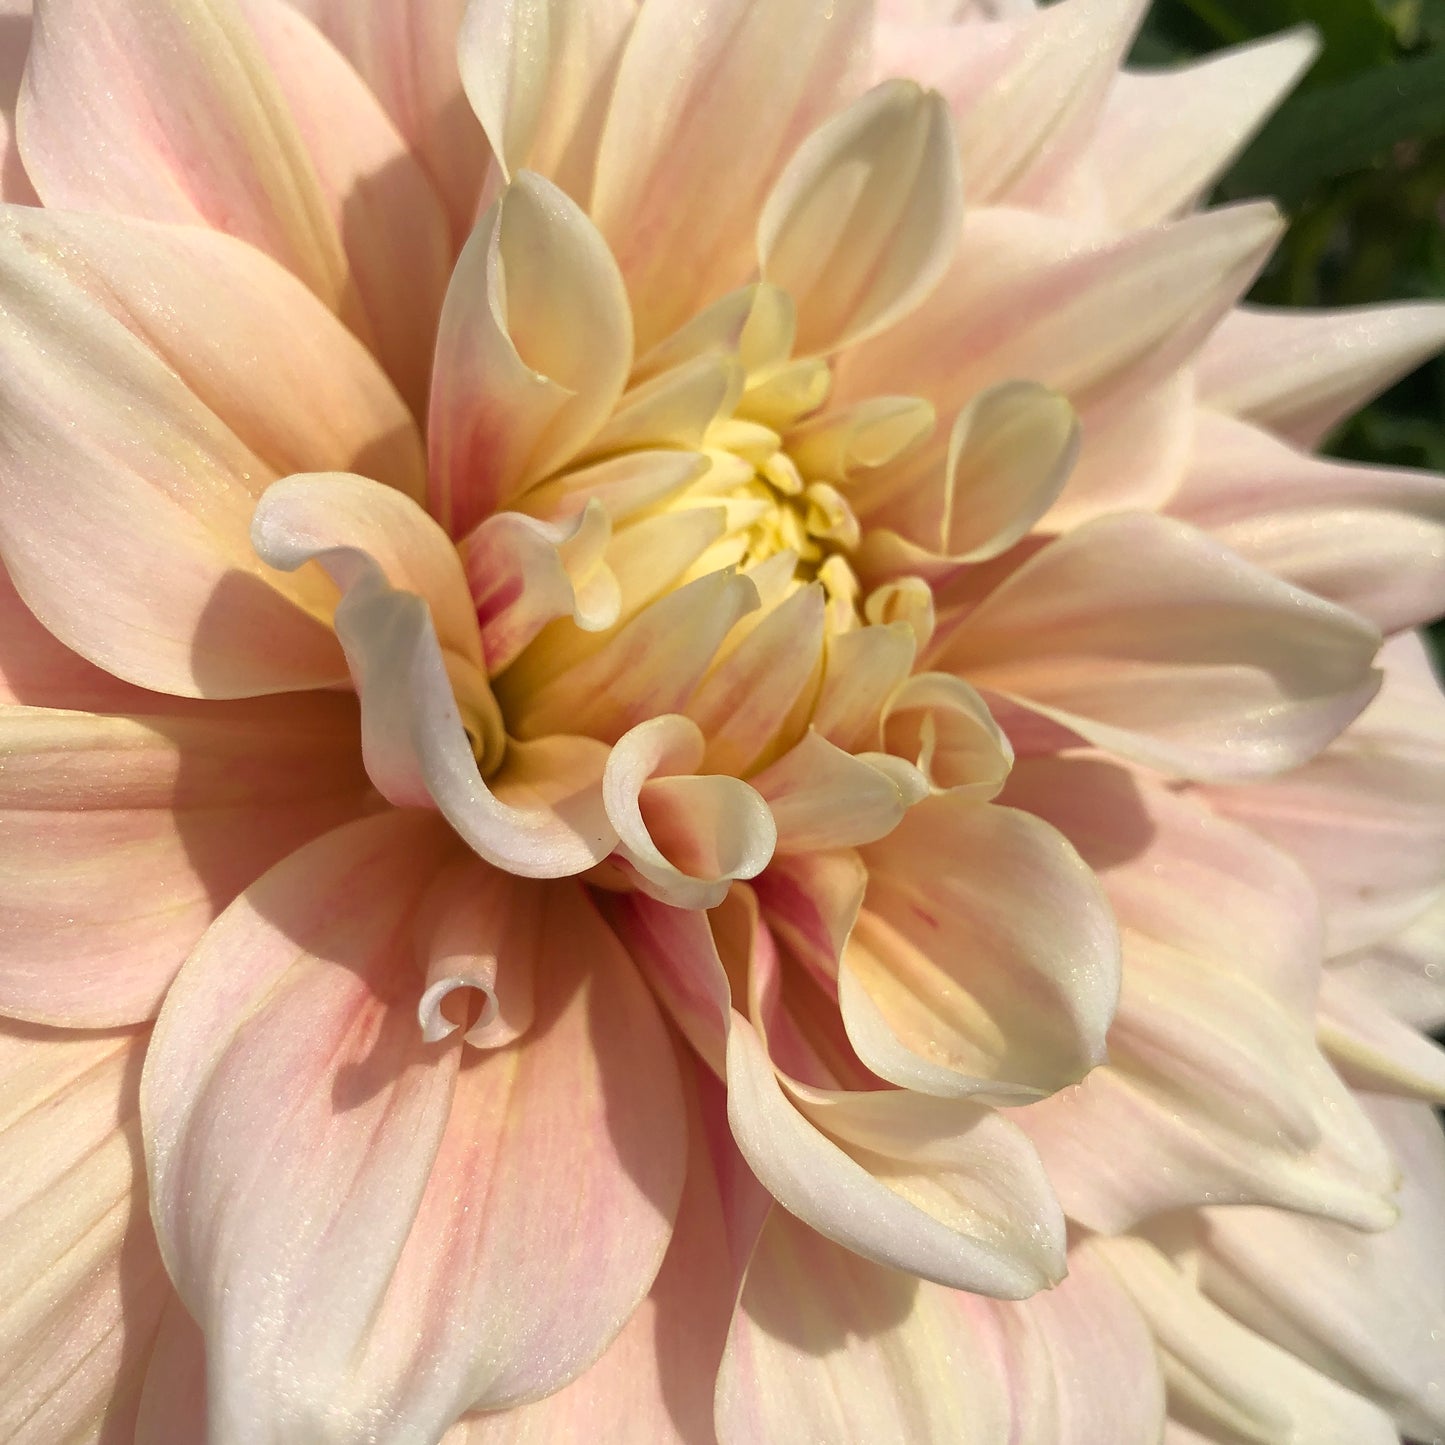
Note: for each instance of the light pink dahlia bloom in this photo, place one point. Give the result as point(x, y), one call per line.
point(680, 751)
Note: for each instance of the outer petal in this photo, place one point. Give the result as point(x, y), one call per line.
point(81, 1283)
point(1150, 639)
point(1229, 1380)
point(1300, 372)
point(330, 1242)
point(1373, 1049)
point(685, 129)
point(1165, 137)
point(106, 455)
point(994, 976)
point(179, 98)
point(1366, 1310)
point(1403, 971)
point(533, 351)
point(863, 221)
point(1215, 1090)
point(121, 838)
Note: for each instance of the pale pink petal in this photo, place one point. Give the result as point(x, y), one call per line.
point(123, 837)
point(1374, 1050)
point(1366, 1309)
point(173, 1399)
point(1165, 137)
point(120, 464)
point(178, 96)
point(383, 204)
point(828, 1346)
point(685, 128)
point(1229, 1379)
point(1370, 538)
point(350, 1212)
point(539, 75)
point(1215, 1090)
point(81, 1281)
point(1149, 638)
point(1366, 817)
point(1299, 372)
point(1403, 972)
point(995, 979)
point(685, 837)
point(406, 50)
point(655, 1382)
point(865, 217)
point(430, 724)
point(533, 351)
point(15, 185)
point(318, 403)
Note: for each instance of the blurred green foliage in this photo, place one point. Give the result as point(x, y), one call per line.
point(1356, 156)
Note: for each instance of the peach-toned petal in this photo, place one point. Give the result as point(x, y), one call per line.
point(687, 154)
point(1367, 1310)
point(1299, 372)
point(178, 97)
point(118, 463)
point(81, 1281)
point(173, 1399)
point(1228, 1379)
point(810, 901)
point(1370, 538)
point(15, 28)
point(365, 1252)
point(1372, 1049)
point(539, 76)
point(865, 217)
point(828, 1346)
point(685, 837)
point(1366, 817)
point(123, 837)
point(382, 203)
point(406, 50)
point(320, 403)
point(995, 979)
point(1165, 137)
point(1215, 1089)
point(655, 1382)
point(942, 726)
point(1151, 639)
point(533, 351)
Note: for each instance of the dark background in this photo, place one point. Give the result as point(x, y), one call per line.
point(1356, 156)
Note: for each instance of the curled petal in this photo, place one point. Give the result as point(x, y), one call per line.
point(996, 979)
point(533, 350)
point(942, 726)
point(863, 220)
point(349, 1211)
point(686, 837)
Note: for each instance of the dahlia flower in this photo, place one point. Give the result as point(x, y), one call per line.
point(691, 753)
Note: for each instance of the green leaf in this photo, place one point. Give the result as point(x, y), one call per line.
point(1339, 129)
point(1357, 35)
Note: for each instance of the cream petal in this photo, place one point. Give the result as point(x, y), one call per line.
point(124, 836)
point(1228, 1379)
point(940, 724)
point(1366, 817)
point(626, 485)
point(1366, 1310)
point(685, 837)
point(828, 1346)
point(1215, 1090)
point(1403, 972)
point(1299, 372)
point(685, 128)
point(539, 76)
point(862, 670)
point(865, 217)
point(319, 403)
point(406, 50)
point(82, 1286)
point(996, 979)
point(177, 94)
point(675, 408)
point(1151, 639)
point(1374, 1050)
point(1164, 138)
point(533, 350)
point(120, 464)
point(382, 203)
point(331, 1243)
